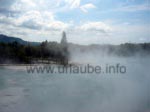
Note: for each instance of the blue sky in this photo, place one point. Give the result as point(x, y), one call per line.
point(85, 21)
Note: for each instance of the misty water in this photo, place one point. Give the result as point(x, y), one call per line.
point(129, 92)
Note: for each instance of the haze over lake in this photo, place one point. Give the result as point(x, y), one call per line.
point(129, 92)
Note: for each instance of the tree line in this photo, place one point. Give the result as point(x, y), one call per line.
point(15, 52)
point(18, 53)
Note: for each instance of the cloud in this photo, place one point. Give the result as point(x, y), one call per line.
point(5, 7)
point(45, 18)
point(133, 8)
point(85, 7)
point(41, 20)
point(6, 3)
point(77, 4)
point(23, 5)
point(33, 17)
point(35, 20)
point(96, 26)
point(73, 3)
point(55, 6)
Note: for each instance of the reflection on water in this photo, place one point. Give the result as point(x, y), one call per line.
point(23, 92)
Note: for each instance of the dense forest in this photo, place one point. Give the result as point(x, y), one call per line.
point(16, 50)
point(17, 53)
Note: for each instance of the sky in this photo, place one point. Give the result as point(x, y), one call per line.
point(84, 21)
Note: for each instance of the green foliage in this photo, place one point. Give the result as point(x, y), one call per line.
point(19, 53)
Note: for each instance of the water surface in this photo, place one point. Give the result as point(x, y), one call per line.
point(23, 92)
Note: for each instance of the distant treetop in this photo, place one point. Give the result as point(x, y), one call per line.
point(64, 38)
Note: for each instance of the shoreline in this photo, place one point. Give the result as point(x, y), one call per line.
point(19, 64)
point(42, 64)
point(37, 64)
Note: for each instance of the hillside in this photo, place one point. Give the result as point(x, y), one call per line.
point(7, 39)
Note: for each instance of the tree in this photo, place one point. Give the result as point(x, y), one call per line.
point(64, 49)
point(64, 38)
